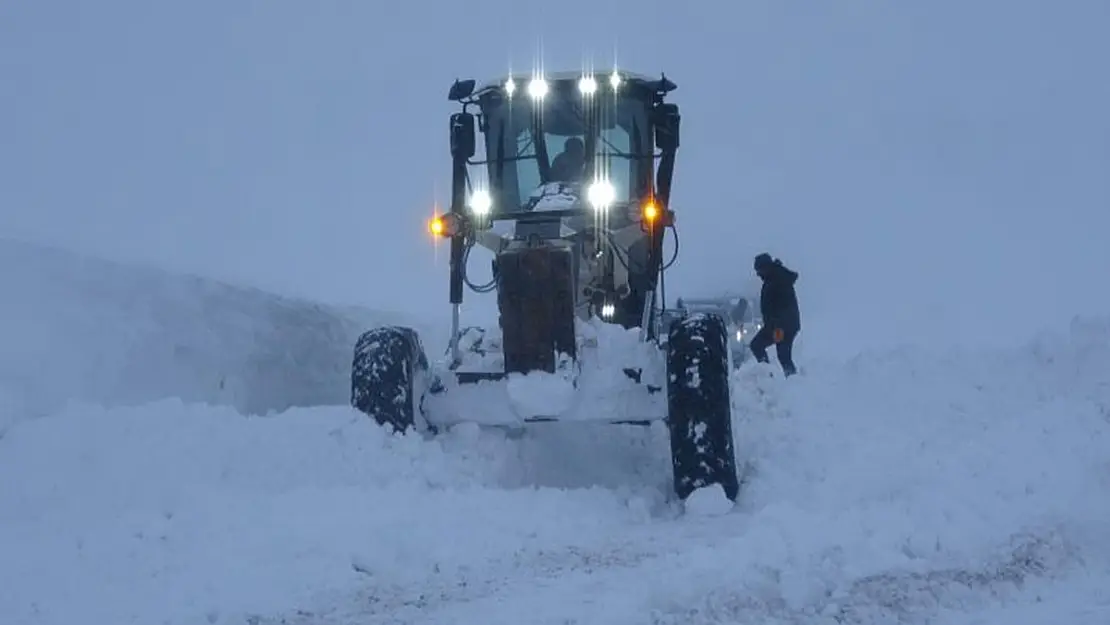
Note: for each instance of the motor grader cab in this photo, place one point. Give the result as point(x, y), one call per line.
point(566, 180)
point(567, 187)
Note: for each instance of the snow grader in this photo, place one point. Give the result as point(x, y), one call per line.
point(569, 188)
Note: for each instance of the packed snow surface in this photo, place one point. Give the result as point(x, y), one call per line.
point(905, 486)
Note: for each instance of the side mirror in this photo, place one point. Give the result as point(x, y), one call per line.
point(461, 89)
point(463, 142)
point(667, 122)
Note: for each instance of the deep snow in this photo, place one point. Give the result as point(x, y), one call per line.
point(935, 171)
point(909, 486)
point(77, 328)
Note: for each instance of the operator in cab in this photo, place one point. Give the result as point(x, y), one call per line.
point(778, 303)
point(570, 164)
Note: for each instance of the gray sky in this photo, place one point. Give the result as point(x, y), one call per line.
point(947, 156)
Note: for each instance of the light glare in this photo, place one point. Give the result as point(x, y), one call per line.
point(480, 202)
point(601, 194)
point(537, 88)
point(436, 227)
point(587, 85)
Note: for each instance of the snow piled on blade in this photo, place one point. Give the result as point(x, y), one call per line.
point(540, 393)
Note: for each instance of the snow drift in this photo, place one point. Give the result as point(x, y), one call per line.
point(75, 328)
point(906, 486)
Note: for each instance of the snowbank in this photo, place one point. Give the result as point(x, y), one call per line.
point(82, 329)
point(177, 514)
point(901, 488)
point(904, 486)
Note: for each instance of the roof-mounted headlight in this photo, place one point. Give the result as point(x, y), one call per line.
point(537, 88)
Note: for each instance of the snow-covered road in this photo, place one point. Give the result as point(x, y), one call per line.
point(900, 487)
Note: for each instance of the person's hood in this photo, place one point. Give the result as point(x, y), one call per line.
point(780, 273)
point(785, 274)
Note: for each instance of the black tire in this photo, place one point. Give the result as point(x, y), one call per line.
point(387, 374)
point(699, 410)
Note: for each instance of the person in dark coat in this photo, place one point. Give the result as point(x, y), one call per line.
point(778, 304)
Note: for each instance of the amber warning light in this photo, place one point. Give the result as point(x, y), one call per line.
point(447, 225)
point(435, 226)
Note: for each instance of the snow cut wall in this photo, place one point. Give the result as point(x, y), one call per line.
point(74, 328)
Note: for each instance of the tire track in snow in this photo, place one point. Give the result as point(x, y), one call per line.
point(628, 584)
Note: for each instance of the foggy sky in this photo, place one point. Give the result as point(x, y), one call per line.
point(946, 158)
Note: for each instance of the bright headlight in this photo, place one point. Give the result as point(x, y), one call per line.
point(537, 88)
point(608, 310)
point(587, 85)
point(601, 194)
point(480, 203)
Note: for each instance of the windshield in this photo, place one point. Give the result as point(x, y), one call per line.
point(566, 138)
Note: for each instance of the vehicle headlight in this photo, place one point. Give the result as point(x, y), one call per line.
point(601, 194)
point(608, 310)
point(480, 203)
point(537, 88)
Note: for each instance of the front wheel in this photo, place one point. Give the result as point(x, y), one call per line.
point(386, 376)
point(699, 405)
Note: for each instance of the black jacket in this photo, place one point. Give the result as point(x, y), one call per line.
point(777, 300)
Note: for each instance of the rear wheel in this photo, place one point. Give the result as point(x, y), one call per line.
point(387, 376)
point(699, 407)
